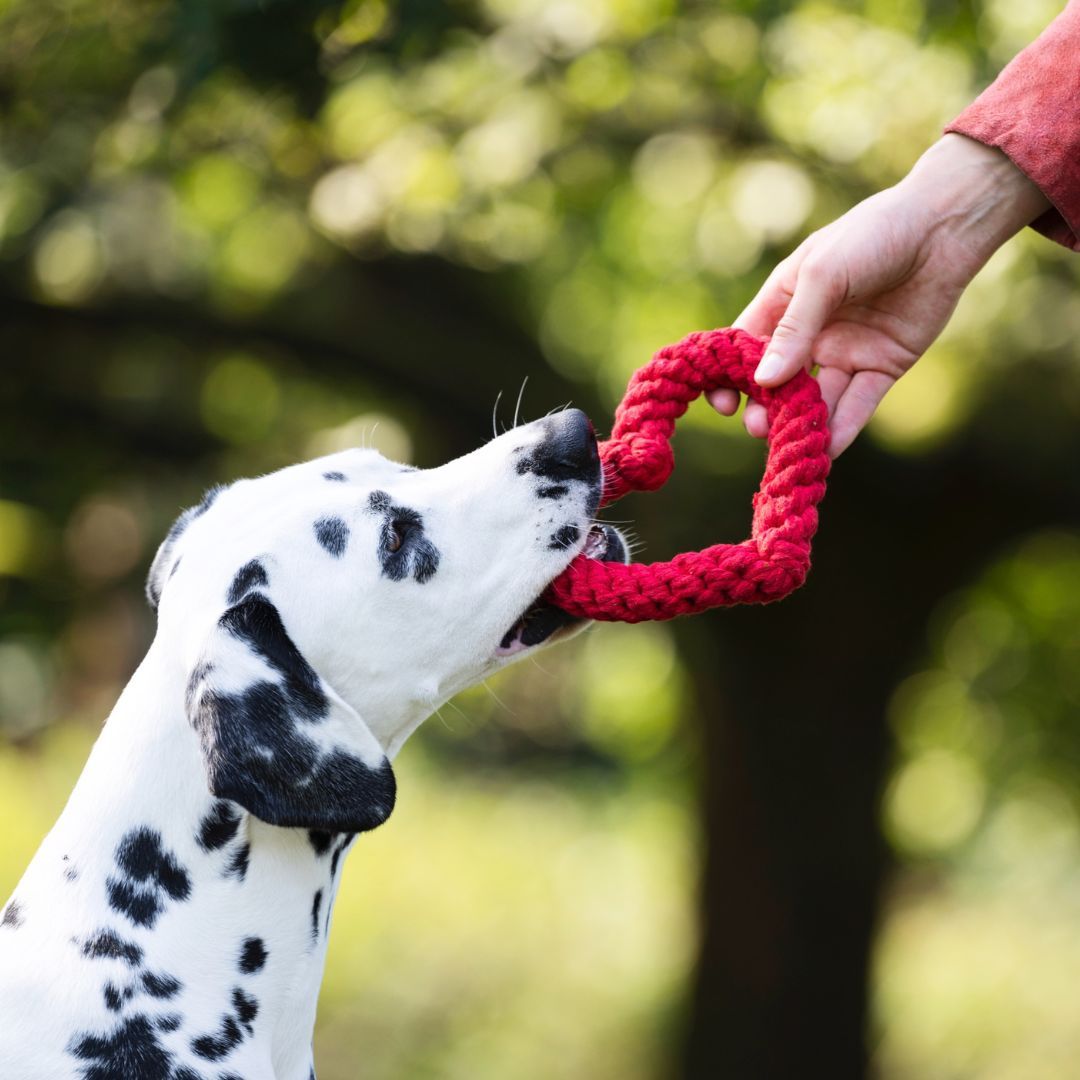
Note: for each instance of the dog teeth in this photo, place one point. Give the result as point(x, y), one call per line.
point(596, 543)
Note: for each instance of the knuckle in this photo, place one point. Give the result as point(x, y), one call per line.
point(815, 270)
point(789, 326)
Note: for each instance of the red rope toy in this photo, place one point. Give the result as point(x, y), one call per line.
point(638, 457)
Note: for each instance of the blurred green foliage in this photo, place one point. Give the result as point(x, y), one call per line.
point(235, 234)
point(977, 957)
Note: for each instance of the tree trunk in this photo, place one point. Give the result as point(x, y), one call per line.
point(792, 702)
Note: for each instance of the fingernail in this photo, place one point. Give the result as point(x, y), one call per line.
point(769, 368)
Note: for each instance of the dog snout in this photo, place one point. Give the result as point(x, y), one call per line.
point(568, 449)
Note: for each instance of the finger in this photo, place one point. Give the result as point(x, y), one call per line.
point(763, 312)
point(819, 291)
point(833, 382)
point(756, 419)
point(855, 407)
point(848, 344)
point(725, 402)
point(761, 315)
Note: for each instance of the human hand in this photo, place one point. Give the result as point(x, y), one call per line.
point(866, 296)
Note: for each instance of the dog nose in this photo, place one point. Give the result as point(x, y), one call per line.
point(568, 450)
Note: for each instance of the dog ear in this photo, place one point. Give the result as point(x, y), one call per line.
point(275, 738)
point(164, 565)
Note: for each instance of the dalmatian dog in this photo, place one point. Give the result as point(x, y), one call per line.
point(173, 924)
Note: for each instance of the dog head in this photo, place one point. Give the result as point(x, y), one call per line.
point(323, 611)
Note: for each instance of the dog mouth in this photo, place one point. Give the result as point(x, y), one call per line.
point(541, 620)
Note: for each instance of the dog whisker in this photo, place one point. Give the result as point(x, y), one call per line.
point(469, 722)
point(495, 415)
point(498, 700)
point(517, 407)
point(540, 667)
point(461, 712)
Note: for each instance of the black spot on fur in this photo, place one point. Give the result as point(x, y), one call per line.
point(250, 576)
point(130, 1050)
point(379, 502)
point(170, 1022)
point(247, 1008)
point(403, 529)
point(71, 873)
point(149, 876)
point(106, 944)
point(335, 475)
point(160, 986)
point(140, 906)
point(425, 562)
point(184, 1073)
point(316, 907)
point(552, 491)
point(563, 538)
point(333, 534)
point(219, 826)
point(215, 1047)
point(255, 746)
point(175, 567)
point(252, 955)
point(13, 916)
point(338, 852)
point(320, 840)
point(233, 1025)
point(238, 864)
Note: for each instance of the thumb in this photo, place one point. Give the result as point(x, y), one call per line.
point(818, 293)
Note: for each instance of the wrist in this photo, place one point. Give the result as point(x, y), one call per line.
point(975, 193)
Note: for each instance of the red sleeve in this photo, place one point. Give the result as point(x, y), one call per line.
point(1032, 113)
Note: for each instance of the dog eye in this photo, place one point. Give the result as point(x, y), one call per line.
point(395, 536)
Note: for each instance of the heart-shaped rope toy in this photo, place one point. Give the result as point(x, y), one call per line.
point(638, 457)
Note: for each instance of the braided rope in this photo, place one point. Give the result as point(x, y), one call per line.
point(638, 457)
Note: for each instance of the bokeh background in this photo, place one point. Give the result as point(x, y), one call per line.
point(838, 836)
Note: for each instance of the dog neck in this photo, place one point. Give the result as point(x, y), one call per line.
point(175, 907)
